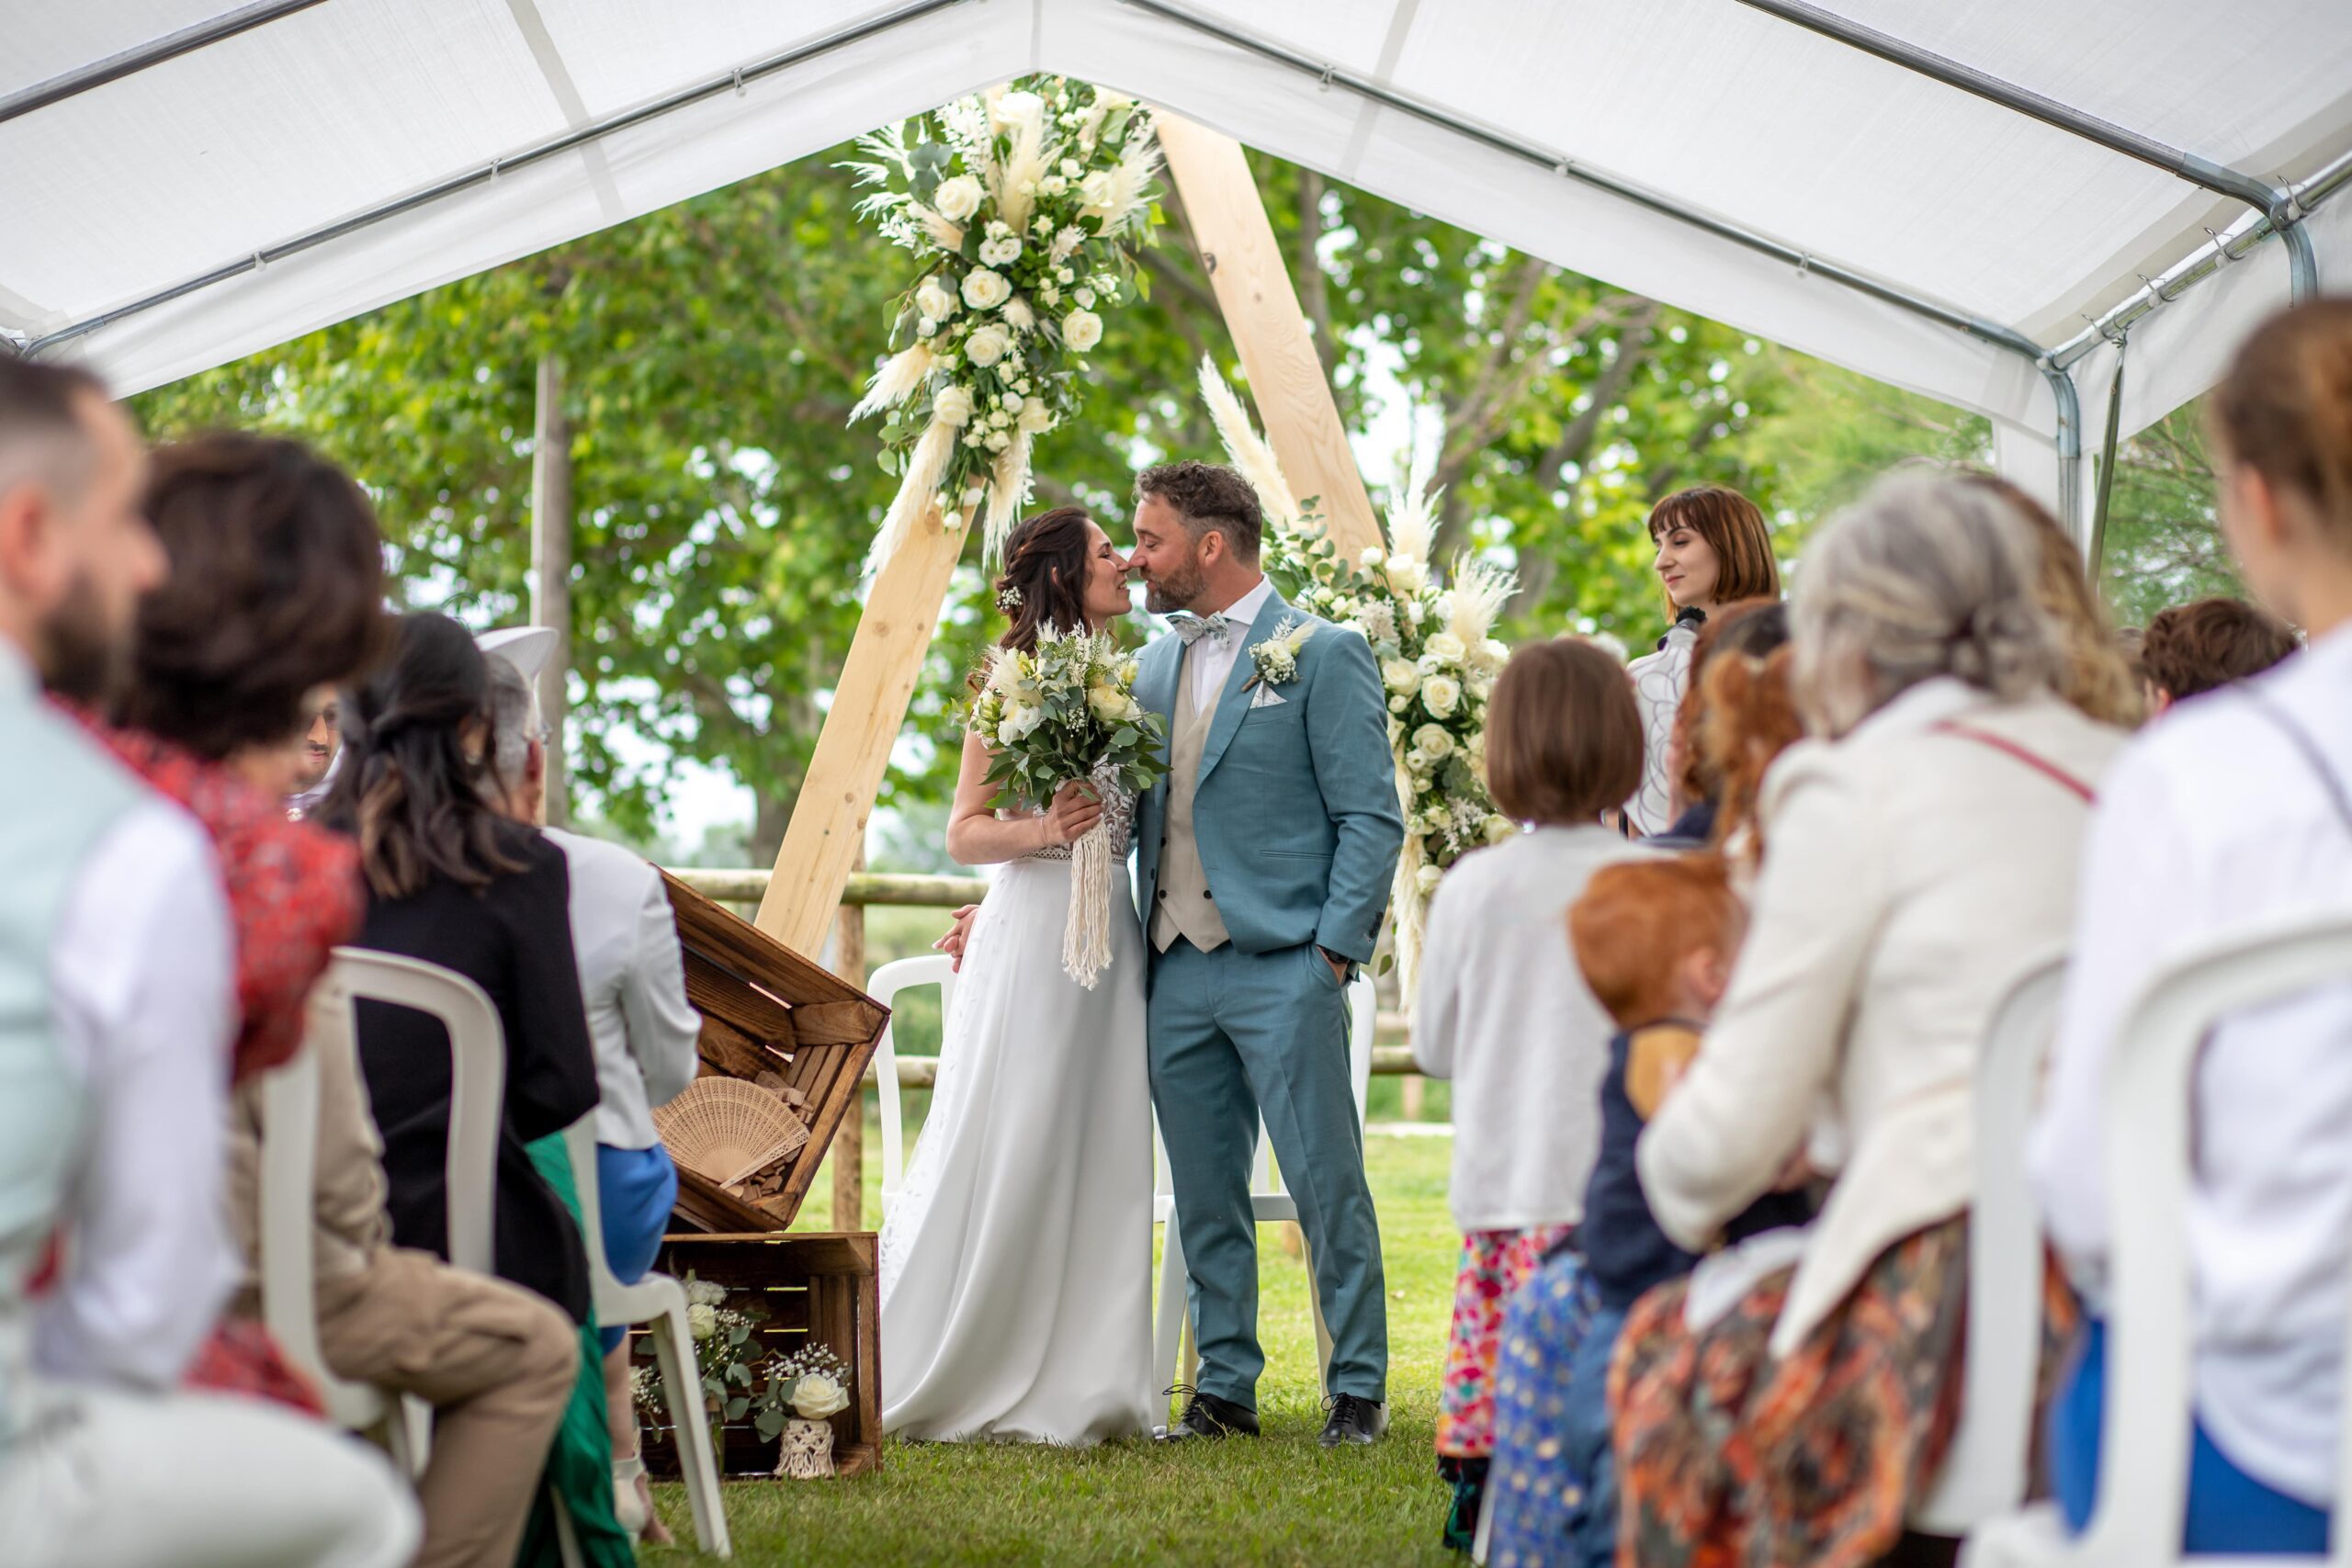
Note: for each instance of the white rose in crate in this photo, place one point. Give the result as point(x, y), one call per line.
point(987, 344)
point(816, 1396)
point(954, 405)
point(956, 198)
point(702, 1320)
point(1442, 694)
point(985, 290)
point(1400, 676)
point(1081, 330)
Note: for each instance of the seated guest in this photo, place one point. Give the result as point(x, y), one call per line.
point(2095, 672)
point(115, 964)
point(633, 974)
point(2229, 814)
point(2190, 649)
point(1922, 851)
point(314, 756)
point(275, 591)
point(1766, 627)
point(1513, 1028)
point(1655, 940)
point(1751, 718)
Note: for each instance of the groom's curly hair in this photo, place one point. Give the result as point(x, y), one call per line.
point(1208, 496)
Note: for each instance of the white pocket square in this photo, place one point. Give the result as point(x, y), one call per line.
point(1268, 697)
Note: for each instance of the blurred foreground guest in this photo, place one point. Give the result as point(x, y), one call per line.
point(2095, 672)
point(1749, 718)
point(2192, 648)
point(1513, 1027)
point(275, 591)
point(2233, 813)
point(316, 754)
point(1922, 854)
point(632, 972)
point(115, 1015)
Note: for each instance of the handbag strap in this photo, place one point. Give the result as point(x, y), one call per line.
point(2301, 738)
point(2031, 758)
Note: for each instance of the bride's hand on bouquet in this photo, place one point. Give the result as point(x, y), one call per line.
point(1075, 811)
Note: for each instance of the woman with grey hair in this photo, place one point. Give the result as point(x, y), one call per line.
point(1922, 851)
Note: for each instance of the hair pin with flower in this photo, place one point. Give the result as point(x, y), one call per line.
point(1008, 598)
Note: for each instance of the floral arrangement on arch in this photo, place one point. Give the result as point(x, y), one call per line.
point(1023, 205)
point(1433, 640)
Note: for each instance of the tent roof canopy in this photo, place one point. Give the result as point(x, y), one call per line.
point(323, 157)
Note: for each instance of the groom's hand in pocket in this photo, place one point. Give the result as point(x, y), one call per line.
point(1339, 964)
point(957, 935)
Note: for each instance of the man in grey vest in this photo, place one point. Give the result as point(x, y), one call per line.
point(1262, 868)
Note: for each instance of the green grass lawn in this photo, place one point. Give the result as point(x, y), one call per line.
point(1278, 1500)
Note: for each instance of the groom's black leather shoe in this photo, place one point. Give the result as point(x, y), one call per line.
point(1353, 1420)
point(1206, 1415)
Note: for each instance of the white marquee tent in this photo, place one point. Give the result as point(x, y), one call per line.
point(186, 182)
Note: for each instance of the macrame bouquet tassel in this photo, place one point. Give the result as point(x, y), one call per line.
point(1085, 938)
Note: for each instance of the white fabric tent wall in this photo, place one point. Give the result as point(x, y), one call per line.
point(142, 183)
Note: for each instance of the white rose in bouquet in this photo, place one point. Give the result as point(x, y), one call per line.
point(956, 198)
point(1499, 828)
point(954, 405)
point(1021, 721)
point(1445, 646)
point(1081, 330)
point(934, 301)
point(1400, 675)
point(1427, 878)
point(985, 290)
point(816, 1396)
point(1001, 252)
point(1433, 742)
point(1373, 557)
point(1406, 575)
point(1442, 694)
point(1493, 654)
point(1097, 189)
point(987, 344)
point(1021, 107)
point(1400, 704)
point(1035, 417)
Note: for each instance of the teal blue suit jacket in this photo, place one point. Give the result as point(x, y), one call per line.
point(1296, 812)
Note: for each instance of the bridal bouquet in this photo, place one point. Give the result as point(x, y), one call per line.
point(1437, 657)
point(1062, 712)
point(1023, 205)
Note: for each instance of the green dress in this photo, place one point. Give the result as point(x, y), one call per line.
point(579, 1465)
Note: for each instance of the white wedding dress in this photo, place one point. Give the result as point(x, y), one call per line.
point(1016, 1263)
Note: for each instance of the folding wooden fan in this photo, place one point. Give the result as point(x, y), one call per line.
point(725, 1130)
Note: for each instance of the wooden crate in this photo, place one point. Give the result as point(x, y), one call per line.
point(767, 1009)
point(817, 1288)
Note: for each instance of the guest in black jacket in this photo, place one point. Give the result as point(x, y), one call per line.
point(453, 882)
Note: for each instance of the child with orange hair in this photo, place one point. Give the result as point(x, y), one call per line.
point(1656, 939)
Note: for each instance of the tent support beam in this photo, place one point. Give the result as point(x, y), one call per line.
point(154, 52)
point(2062, 386)
point(2279, 205)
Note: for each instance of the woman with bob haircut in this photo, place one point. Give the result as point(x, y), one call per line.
point(1503, 1015)
point(2228, 815)
point(1713, 548)
point(1923, 851)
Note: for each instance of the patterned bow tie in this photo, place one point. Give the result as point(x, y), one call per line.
point(1192, 628)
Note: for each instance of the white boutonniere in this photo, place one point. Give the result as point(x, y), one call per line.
point(1277, 656)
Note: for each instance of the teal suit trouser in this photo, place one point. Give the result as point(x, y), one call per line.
point(1234, 1036)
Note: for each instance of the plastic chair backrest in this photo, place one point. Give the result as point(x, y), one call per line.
point(2143, 1498)
point(1985, 1472)
point(289, 1152)
point(901, 975)
point(478, 1078)
point(580, 1150)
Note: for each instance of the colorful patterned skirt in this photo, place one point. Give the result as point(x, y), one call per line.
point(1494, 1263)
point(1727, 1459)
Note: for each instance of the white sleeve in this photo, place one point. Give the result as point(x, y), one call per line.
point(1435, 1019)
point(2134, 879)
point(144, 1004)
point(663, 1025)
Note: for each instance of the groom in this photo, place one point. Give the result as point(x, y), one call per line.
point(1262, 867)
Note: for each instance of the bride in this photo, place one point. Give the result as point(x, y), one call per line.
point(1016, 1266)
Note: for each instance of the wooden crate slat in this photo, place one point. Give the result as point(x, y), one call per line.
point(832, 1024)
point(717, 994)
point(734, 1052)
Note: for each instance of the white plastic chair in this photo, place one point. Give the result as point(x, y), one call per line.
point(1269, 1203)
point(884, 985)
point(659, 1302)
point(1985, 1472)
point(2146, 1125)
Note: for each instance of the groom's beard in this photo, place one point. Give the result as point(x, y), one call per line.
point(1165, 595)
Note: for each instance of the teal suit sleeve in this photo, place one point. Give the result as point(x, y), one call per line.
point(1347, 733)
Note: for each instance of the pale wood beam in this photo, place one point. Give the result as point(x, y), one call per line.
point(1263, 313)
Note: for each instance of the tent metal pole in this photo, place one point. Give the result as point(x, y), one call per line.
point(2279, 205)
point(580, 136)
point(2062, 385)
point(154, 52)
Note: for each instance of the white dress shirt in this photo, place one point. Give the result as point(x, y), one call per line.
point(2214, 821)
point(142, 995)
point(633, 978)
point(1209, 662)
point(1504, 1012)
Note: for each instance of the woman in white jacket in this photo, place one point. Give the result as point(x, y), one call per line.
point(1922, 851)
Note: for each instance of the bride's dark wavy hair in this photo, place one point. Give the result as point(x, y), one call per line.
point(1046, 561)
point(407, 788)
